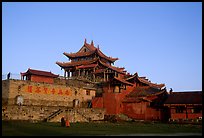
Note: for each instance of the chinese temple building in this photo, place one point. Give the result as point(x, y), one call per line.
point(117, 85)
point(184, 105)
point(38, 76)
point(90, 63)
point(92, 88)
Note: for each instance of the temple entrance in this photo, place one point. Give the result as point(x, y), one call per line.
point(89, 104)
point(165, 114)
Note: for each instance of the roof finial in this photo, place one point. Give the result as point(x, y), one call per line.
point(98, 46)
point(92, 43)
point(85, 41)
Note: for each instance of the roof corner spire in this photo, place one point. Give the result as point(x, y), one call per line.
point(92, 44)
point(85, 41)
point(98, 46)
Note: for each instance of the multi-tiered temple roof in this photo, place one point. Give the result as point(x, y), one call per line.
point(89, 50)
point(92, 64)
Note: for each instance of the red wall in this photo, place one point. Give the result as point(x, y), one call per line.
point(141, 111)
point(113, 101)
point(113, 104)
point(153, 114)
point(97, 102)
point(184, 115)
point(134, 110)
point(194, 115)
point(42, 79)
point(110, 103)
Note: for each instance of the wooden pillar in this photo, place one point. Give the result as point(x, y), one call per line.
point(65, 74)
point(79, 73)
point(94, 75)
point(84, 72)
point(104, 76)
point(68, 73)
point(186, 112)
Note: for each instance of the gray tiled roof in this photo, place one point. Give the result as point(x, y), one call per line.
point(190, 97)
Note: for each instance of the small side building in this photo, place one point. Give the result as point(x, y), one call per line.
point(184, 105)
point(38, 76)
point(145, 103)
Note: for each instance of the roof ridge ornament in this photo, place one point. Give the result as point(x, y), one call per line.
point(136, 74)
point(92, 44)
point(85, 41)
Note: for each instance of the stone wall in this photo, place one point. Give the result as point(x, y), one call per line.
point(5, 91)
point(44, 101)
point(45, 94)
point(41, 113)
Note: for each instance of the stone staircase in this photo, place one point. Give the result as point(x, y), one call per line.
point(53, 115)
point(78, 115)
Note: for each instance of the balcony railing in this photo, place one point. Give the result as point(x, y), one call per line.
point(17, 76)
point(12, 76)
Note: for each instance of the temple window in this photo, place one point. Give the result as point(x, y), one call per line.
point(87, 92)
point(117, 89)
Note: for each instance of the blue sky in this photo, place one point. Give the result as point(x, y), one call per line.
point(159, 40)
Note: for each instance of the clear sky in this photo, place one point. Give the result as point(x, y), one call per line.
point(159, 40)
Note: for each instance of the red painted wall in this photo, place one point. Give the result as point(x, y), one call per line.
point(42, 79)
point(184, 115)
point(152, 114)
point(113, 104)
point(141, 111)
point(113, 101)
point(194, 115)
point(97, 102)
point(110, 103)
point(134, 110)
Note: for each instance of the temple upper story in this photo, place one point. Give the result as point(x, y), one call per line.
point(92, 64)
point(89, 51)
